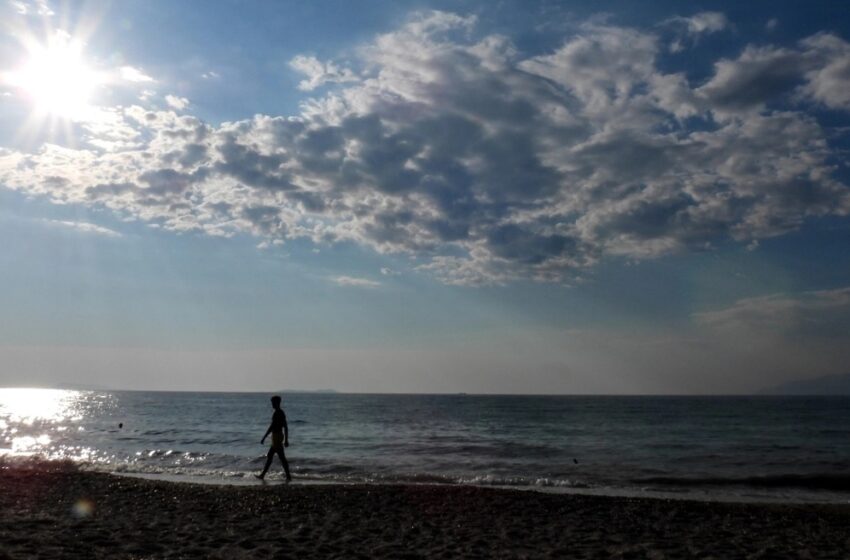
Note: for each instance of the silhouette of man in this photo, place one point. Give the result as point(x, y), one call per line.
point(280, 439)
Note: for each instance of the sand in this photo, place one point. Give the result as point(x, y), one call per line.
point(54, 511)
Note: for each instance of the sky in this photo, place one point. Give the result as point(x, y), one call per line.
point(469, 196)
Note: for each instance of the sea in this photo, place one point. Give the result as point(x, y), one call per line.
point(761, 448)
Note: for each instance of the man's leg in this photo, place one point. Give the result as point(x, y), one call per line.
point(285, 463)
point(269, 458)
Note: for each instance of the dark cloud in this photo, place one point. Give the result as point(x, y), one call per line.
point(758, 76)
point(265, 219)
point(309, 201)
point(251, 167)
point(107, 190)
point(192, 154)
point(514, 243)
point(166, 181)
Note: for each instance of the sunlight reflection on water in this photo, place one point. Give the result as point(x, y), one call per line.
point(29, 405)
point(32, 420)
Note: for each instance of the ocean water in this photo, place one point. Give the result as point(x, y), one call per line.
point(747, 448)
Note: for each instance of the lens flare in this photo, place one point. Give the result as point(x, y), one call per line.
point(82, 508)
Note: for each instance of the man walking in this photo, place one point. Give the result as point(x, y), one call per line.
point(280, 439)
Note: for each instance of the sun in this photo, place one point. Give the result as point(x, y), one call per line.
point(56, 78)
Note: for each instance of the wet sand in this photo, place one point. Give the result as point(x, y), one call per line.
point(53, 511)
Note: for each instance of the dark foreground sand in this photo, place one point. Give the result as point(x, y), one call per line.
point(134, 518)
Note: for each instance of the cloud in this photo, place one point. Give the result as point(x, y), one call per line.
point(269, 244)
point(757, 76)
point(85, 227)
point(389, 272)
point(38, 8)
point(355, 282)
point(319, 73)
point(828, 76)
point(816, 313)
point(691, 28)
point(703, 22)
point(485, 164)
point(176, 102)
point(816, 69)
point(134, 75)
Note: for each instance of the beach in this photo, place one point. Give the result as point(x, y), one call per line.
point(54, 510)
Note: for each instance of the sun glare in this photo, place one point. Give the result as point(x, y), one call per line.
point(56, 78)
point(29, 405)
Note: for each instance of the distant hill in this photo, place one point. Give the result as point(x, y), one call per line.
point(333, 391)
point(827, 385)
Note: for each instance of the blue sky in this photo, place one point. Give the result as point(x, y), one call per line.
point(546, 197)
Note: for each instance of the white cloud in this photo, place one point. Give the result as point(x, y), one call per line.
point(818, 312)
point(32, 8)
point(20, 7)
point(816, 69)
point(706, 22)
point(211, 75)
point(389, 272)
point(267, 244)
point(757, 76)
point(85, 227)
point(319, 73)
point(828, 76)
point(354, 281)
point(691, 28)
point(176, 102)
point(487, 165)
point(132, 74)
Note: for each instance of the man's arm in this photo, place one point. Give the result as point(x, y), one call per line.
point(285, 432)
point(265, 435)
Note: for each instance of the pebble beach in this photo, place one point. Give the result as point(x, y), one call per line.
point(54, 510)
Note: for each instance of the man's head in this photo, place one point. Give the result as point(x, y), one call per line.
point(276, 401)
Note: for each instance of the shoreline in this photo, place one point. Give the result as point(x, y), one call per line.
point(730, 494)
point(694, 495)
point(60, 511)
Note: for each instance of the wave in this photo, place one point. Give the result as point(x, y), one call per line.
point(794, 486)
point(329, 473)
point(519, 481)
point(823, 481)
